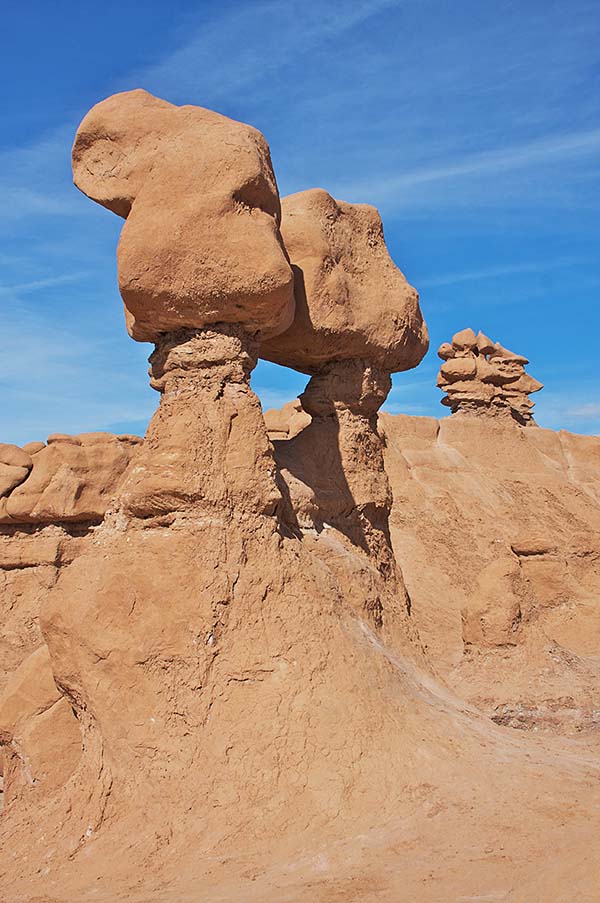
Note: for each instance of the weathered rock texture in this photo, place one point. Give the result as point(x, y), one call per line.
point(356, 321)
point(481, 377)
point(287, 422)
point(352, 301)
point(332, 472)
point(470, 499)
point(498, 532)
point(46, 521)
point(201, 241)
point(40, 738)
point(70, 480)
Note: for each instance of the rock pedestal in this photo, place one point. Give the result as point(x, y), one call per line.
point(206, 446)
point(333, 475)
point(343, 401)
point(145, 606)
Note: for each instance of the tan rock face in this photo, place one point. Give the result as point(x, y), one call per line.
point(357, 320)
point(498, 531)
point(39, 735)
point(71, 479)
point(207, 416)
point(481, 377)
point(287, 422)
point(352, 301)
point(15, 465)
point(201, 241)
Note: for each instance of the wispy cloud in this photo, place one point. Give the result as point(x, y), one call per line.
point(66, 375)
point(548, 149)
point(541, 266)
point(35, 179)
point(37, 284)
point(570, 404)
point(250, 43)
point(585, 410)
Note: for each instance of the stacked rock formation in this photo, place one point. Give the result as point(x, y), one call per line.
point(482, 377)
point(157, 630)
point(357, 320)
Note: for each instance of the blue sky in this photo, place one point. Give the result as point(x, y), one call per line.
point(474, 126)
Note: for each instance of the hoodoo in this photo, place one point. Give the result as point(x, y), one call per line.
point(357, 320)
point(198, 615)
point(481, 377)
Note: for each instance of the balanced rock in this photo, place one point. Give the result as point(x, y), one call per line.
point(357, 320)
point(482, 377)
point(352, 301)
point(201, 244)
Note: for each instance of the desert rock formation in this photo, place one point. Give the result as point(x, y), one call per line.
point(352, 301)
point(498, 532)
point(318, 655)
point(65, 487)
point(356, 321)
point(201, 242)
point(286, 422)
point(481, 377)
point(70, 479)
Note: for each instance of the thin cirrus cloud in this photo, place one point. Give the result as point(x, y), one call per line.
point(39, 284)
point(419, 185)
point(534, 267)
point(265, 37)
point(592, 409)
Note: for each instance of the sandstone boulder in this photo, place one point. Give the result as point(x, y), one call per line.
point(32, 448)
point(15, 465)
point(11, 476)
point(14, 456)
point(201, 243)
point(286, 422)
point(352, 301)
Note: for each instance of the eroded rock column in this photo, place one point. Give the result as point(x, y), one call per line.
point(343, 401)
point(206, 447)
point(357, 320)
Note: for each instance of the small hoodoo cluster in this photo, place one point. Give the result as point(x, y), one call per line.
point(482, 377)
